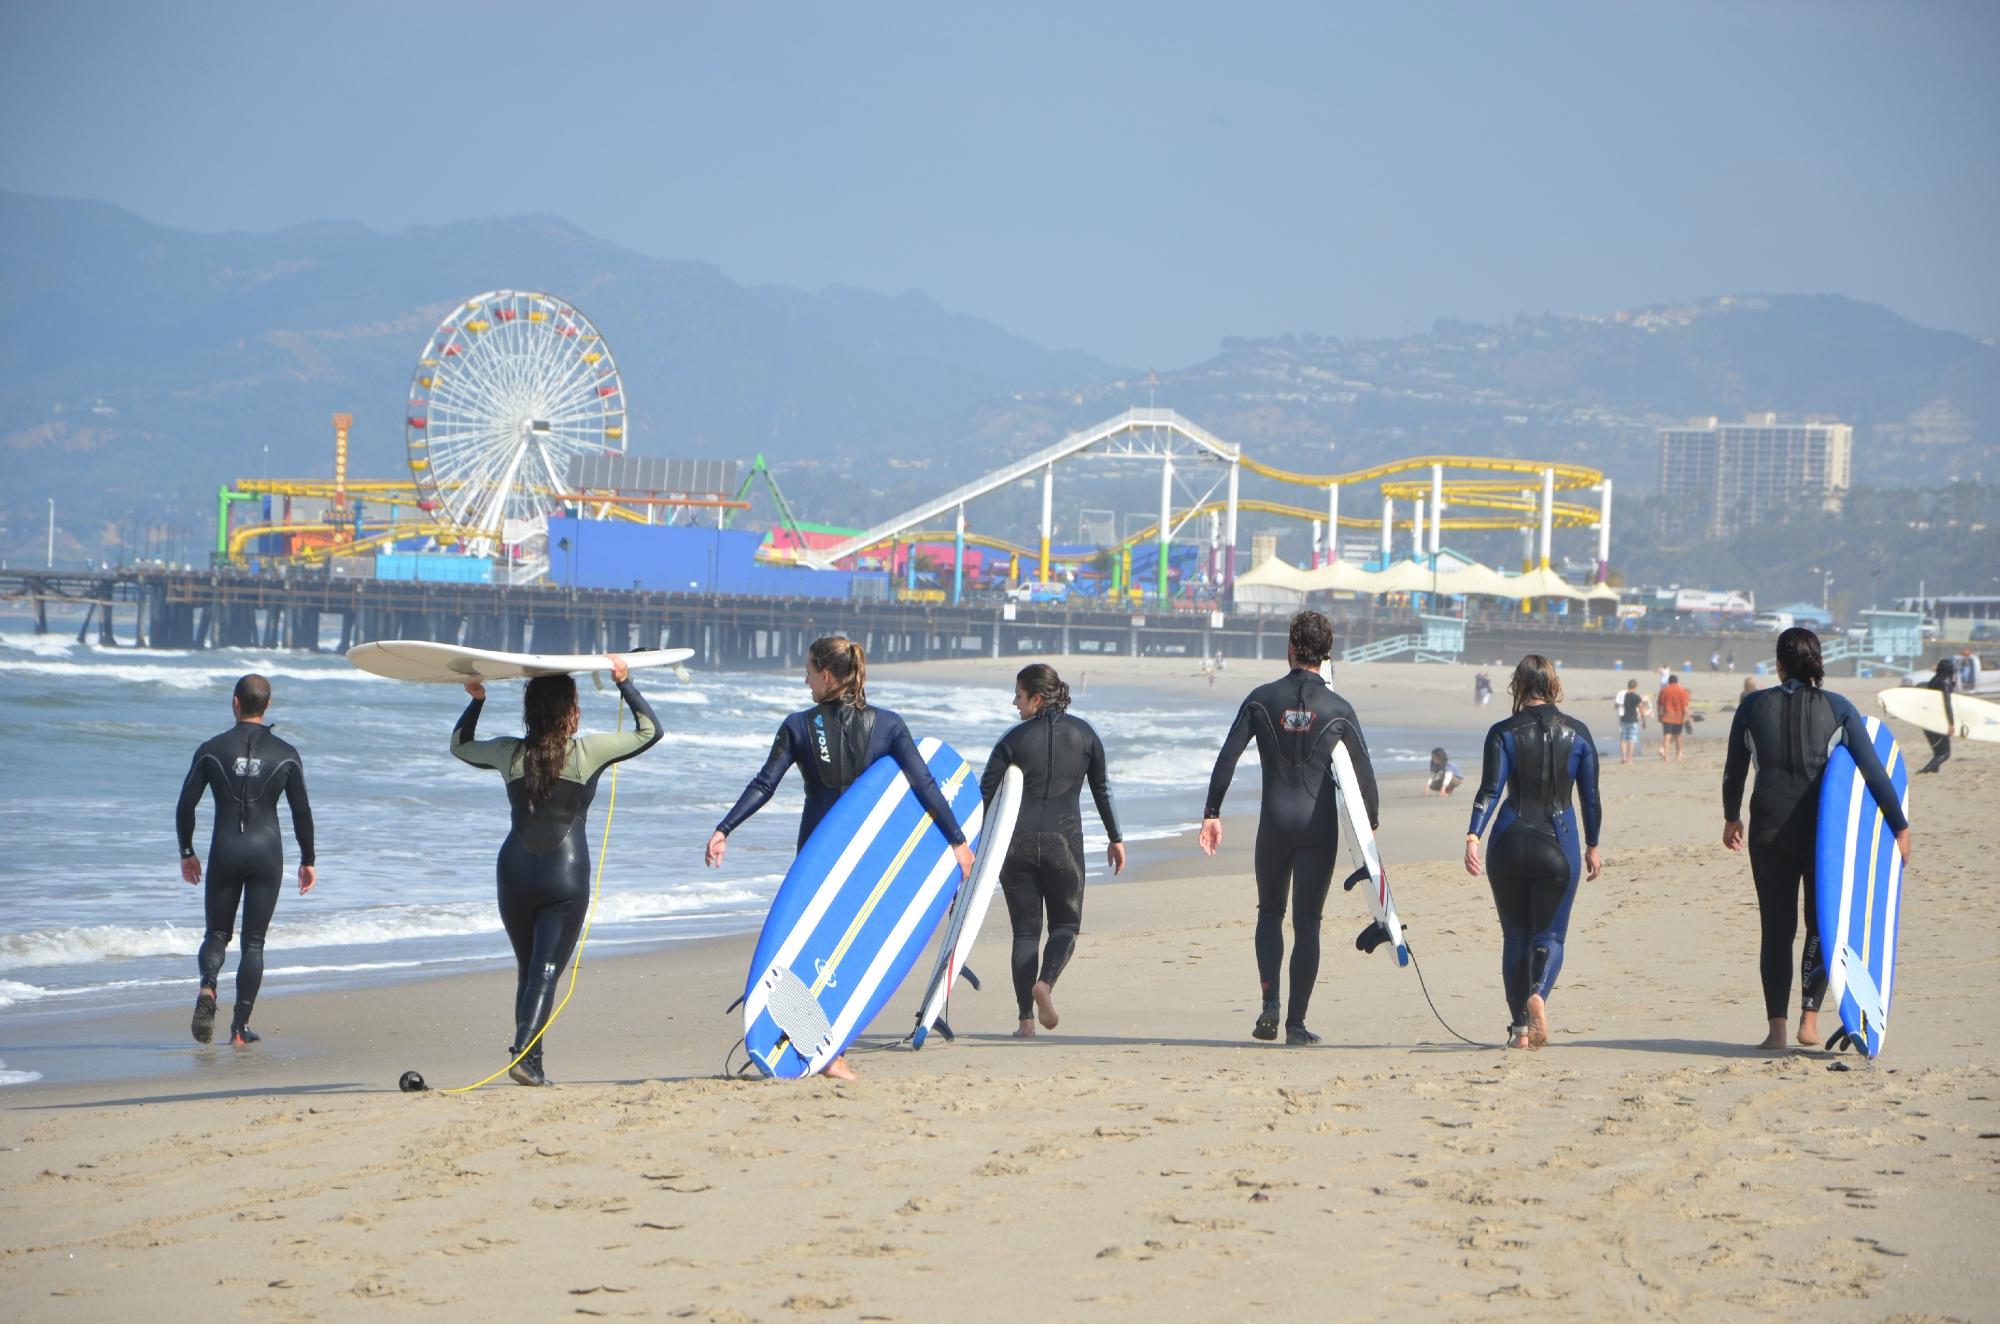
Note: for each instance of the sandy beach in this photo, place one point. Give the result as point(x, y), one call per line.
point(1147, 1159)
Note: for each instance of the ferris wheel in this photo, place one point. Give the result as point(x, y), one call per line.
point(512, 387)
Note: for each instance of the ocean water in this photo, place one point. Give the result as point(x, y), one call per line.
point(95, 743)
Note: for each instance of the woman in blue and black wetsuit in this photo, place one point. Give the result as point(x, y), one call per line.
point(1787, 732)
point(833, 743)
point(1537, 756)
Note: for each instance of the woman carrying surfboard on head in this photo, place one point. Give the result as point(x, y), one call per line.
point(544, 864)
point(1538, 757)
point(1056, 753)
point(833, 743)
point(1787, 732)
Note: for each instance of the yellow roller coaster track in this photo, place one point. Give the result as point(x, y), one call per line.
point(1569, 477)
point(1567, 515)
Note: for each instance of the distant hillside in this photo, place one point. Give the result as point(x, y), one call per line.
point(146, 365)
point(1925, 404)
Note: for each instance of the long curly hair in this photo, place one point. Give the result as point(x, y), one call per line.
point(549, 710)
point(1039, 678)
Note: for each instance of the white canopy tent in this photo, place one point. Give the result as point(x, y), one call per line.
point(1452, 577)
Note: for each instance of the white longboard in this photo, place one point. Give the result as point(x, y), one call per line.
point(1361, 842)
point(449, 664)
point(968, 911)
point(1973, 719)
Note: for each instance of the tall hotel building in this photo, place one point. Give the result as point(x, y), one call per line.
point(1719, 478)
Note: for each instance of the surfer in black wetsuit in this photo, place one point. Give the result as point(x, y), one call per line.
point(543, 872)
point(1056, 753)
point(1944, 680)
point(1537, 757)
point(1296, 721)
point(833, 743)
point(1787, 732)
point(247, 768)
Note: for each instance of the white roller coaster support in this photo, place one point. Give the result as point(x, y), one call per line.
point(1316, 547)
point(1388, 527)
point(1437, 508)
point(1048, 517)
point(1548, 515)
point(1417, 532)
point(1332, 523)
point(1229, 533)
point(1149, 421)
point(1604, 531)
point(1166, 517)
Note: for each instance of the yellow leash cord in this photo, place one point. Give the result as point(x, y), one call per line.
point(576, 967)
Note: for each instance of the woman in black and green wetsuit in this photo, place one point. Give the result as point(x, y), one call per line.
point(544, 864)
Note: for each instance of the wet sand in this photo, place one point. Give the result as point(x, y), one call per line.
point(1147, 1157)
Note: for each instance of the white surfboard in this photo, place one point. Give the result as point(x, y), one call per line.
point(968, 910)
point(1361, 844)
point(1974, 719)
point(449, 664)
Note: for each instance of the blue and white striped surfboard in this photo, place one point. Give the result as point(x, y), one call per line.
point(855, 911)
point(1860, 891)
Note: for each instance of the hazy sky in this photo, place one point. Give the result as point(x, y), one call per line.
point(1136, 180)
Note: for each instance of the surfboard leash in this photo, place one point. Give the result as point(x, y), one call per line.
point(576, 966)
point(1414, 965)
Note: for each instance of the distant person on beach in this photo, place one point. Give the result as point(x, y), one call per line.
point(1944, 680)
point(1296, 720)
point(855, 735)
point(1673, 707)
point(1538, 757)
point(1482, 689)
point(246, 769)
point(1445, 775)
point(1749, 687)
point(1787, 732)
point(542, 874)
point(1057, 754)
point(1632, 710)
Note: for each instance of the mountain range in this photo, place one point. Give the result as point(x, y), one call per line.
point(145, 366)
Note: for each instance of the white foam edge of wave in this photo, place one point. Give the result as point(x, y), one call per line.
point(379, 924)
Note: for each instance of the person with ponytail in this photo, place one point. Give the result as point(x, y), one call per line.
point(1538, 757)
point(544, 865)
point(1056, 753)
point(1786, 732)
point(833, 743)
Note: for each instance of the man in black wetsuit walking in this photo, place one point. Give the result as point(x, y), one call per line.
point(247, 768)
point(1296, 720)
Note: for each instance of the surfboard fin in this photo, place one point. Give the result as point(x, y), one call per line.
point(1370, 938)
point(734, 1005)
point(1354, 878)
point(965, 973)
point(943, 1027)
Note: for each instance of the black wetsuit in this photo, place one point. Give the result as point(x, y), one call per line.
point(833, 743)
point(543, 872)
point(247, 767)
point(1787, 733)
point(1296, 721)
point(1538, 757)
point(1940, 741)
point(1057, 754)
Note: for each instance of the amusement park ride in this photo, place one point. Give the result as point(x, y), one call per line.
point(514, 387)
